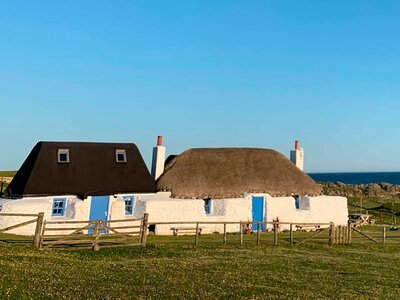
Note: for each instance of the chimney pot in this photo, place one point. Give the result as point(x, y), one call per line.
point(297, 145)
point(159, 140)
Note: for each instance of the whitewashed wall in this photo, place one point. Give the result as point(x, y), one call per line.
point(76, 209)
point(162, 208)
point(321, 209)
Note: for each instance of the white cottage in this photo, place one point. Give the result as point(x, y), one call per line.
point(88, 181)
point(236, 184)
point(77, 181)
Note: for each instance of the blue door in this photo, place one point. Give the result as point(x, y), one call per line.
point(98, 209)
point(257, 211)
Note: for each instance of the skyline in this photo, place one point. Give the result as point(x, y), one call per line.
point(205, 74)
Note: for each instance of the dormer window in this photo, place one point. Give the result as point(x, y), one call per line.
point(120, 156)
point(63, 156)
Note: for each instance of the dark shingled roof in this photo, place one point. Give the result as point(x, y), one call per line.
point(92, 170)
point(232, 172)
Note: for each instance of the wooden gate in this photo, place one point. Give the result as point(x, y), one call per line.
point(112, 233)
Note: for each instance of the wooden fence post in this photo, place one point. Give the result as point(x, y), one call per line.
point(349, 232)
point(291, 234)
point(38, 230)
point(95, 245)
point(225, 234)
point(384, 235)
point(241, 234)
point(258, 234)
point(42, 235)
point(196, 238)
point(275, 233)
point(331, 234)
point(145, 222)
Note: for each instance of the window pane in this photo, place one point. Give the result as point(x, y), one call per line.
point(58, 207)
point(120, 155)
point(129, 201)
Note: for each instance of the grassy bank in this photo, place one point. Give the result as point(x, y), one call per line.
point(166, 270)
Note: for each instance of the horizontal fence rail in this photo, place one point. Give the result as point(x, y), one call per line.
point(79, 234)
point(37, 218)
point(246, 227)
point(297, 234)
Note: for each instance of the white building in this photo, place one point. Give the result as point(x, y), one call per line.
point(87, 181)
point(238, 184)
point(77, 181)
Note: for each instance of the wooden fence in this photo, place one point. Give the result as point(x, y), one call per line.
point(115, 233)
point(94, 234)
point(36, 218)
point(314, 230)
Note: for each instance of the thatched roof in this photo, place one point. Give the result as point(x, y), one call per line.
point(232, 172)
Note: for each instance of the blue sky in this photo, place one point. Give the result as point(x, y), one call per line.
point(205, 74)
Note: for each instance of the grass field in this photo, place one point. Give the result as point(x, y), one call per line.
point(172, 268)
point(7, 173)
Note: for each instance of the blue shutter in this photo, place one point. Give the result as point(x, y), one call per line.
point(207, 206)
point(297, 202)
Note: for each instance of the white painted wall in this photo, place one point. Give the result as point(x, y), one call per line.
point(321, 209)
point(76, 209)
point(162, 208)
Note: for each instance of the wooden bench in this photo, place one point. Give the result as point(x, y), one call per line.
point(185, 230)
point(307, 228)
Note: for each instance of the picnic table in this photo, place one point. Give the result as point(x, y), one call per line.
point(361, 219)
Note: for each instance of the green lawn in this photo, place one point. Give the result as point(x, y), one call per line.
point(7, 173)
point(172, 268)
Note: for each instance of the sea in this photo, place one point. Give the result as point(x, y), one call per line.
point(358, 178)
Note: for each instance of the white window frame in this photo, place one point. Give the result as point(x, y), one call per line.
point(63, 151)
point(118, 152)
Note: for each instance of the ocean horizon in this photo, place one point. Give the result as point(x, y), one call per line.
point(357, 177)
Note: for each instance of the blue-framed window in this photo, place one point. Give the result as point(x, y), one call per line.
point(297, 202)
point(207, 206)
point(129, 201)
point(58, 207)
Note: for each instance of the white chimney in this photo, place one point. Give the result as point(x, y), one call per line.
point(297, 156)
point(157, 167)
